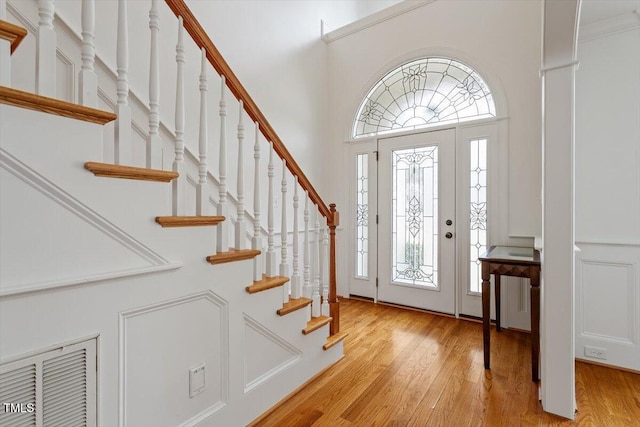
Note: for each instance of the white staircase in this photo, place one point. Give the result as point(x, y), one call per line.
point(141, 262)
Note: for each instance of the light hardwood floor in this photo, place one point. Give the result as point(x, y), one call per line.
point(408, 368)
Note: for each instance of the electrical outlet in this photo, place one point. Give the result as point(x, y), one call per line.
point(595, 352)
point(196, 380)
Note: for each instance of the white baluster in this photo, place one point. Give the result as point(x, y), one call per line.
point(178, 185)
point(324, 283)
point(256, 243)
point(5, 51)
point(202, 194)
point(123, 110)
point(271, 254)
point(241, 228)
point(223, 210)
point(296, 286)
point(154, 143)
point(88, 80)
point(306, 289)
point(46, 50)
point(315, 298)
point(284, 264)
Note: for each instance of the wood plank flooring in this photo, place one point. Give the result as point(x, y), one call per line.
point(408, 368)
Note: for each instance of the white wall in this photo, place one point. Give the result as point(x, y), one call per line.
point(608, 191)
point(500, 39)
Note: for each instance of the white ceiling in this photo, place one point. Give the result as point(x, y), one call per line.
point(599, 10)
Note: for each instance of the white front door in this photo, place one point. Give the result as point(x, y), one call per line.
point(416, 208)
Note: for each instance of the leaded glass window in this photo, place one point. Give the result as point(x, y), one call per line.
point(362, 215)
point(422, 93)
point(478, 211)
point(415, 216)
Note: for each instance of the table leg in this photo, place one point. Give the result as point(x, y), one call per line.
point(486, 313)
point(535, 323)
point(496, 278)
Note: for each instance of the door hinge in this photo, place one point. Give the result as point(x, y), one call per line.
point(377, 282)
point(377, 155)
point(376, 218)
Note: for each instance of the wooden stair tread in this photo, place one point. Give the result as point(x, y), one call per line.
point(316, 323)
point(31, 101)
point(233, 255)
point(266, 283)
point(130, 172)
point(188, 221)
point(334, 339)
point(293, 305)
point(12, 33)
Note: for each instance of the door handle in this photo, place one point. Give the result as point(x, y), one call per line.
point(448, 235)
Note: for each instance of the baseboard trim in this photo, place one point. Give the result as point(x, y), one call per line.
point(292, 394)
point(604, 365)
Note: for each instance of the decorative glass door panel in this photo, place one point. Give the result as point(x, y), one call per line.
point(415, 216)
point(416, 234)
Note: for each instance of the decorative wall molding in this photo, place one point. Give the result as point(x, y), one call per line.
point(296, 354)
point(82, 211)
point(608, 289)
point(209, 296)
point(371, 20)
point(608, 27)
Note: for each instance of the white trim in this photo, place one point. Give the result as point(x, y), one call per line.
point(371, 20)
point(94, 278)
point(558, 66)
point(608, 27)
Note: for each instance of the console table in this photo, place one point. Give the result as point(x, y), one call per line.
point(518, 262)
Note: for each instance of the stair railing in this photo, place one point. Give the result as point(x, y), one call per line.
point(313, 283)
point(202, 40)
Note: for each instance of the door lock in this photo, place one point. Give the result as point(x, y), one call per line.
point(448, 235)
point(449, 222)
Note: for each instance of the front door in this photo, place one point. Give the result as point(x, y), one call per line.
point(416, 208)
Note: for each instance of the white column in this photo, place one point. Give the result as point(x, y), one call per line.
point(315, 258)
point(241, 228)
point(223, 210)
point(256, 242)
point(296, 286)
point(46, 50)
point(202, 193)
point(557, 329)
point(271, 253)
point(178, 184)
point(306, 289)
point(87, 79)
point(154, 143)
point(122, 153)
point(5, 51)
point(284, 264)
point(324, 283)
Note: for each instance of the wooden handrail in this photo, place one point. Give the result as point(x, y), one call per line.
point(202, 40)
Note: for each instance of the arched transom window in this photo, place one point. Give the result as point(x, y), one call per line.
point(421, 93)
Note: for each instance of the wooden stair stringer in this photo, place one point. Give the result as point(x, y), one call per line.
point(293, 305)
point(14, 34)
point(188, 221)
point(316, 323)
point(233, 255)
point(130, 172)
point(44, 104)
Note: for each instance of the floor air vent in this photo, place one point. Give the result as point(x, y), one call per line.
point(53, 388)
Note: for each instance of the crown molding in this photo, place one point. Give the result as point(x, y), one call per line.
point(608, 27)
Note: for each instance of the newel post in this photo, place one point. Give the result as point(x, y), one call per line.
point(334, 304)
